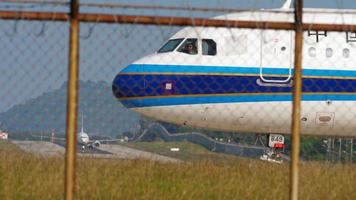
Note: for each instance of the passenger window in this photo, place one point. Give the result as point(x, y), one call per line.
point(209, 47)
point(346, 53)
point(312, 52)
point(170, 45)
point(329, 52)
point(189, 46)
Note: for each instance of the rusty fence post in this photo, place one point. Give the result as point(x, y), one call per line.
point(297, 94)
point(72, 102)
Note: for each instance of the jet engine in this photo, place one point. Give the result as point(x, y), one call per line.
point(96, 143)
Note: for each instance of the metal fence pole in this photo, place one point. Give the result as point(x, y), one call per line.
point(351, 148)
point(340, 149)
point(72, 102)
point(297, 93)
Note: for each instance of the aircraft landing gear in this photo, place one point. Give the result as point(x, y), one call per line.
point(275, 147)
point(83, 148)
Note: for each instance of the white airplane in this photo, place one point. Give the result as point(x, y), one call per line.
point(82, 138)
point(240, 79)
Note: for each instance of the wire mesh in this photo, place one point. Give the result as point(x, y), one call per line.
point(188, 94)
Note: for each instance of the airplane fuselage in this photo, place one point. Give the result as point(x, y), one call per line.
point(241, 79)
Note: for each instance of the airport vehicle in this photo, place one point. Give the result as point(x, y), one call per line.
point(240, 79)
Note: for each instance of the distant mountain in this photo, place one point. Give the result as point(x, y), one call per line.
point(103, 114)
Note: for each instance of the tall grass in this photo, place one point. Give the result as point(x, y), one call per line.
point(24, 176)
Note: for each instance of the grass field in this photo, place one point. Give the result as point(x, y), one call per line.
point(23, 176)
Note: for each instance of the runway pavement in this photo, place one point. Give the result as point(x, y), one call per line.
point(41, 148)
point(130, 153)
point(48, 149)
point(82, 150)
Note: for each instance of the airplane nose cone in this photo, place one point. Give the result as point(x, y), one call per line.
point(119, 87)
point(126, 85)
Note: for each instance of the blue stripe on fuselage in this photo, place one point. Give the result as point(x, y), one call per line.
point(147, 85)
point(155, 68)
point(143, 85)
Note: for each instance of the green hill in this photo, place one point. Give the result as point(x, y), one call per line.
point(103, 114)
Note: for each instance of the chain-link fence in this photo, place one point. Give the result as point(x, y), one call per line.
point(163, 91)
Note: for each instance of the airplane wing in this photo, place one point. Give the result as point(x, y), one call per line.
point(106, 140)
point(48, 137)
point(95, 135)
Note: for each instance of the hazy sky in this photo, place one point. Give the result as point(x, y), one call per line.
point(236, 3)
point(34, 54)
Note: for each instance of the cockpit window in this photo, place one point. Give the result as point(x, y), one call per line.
point(189, 46)
point(170, 45)
point(209, 47)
